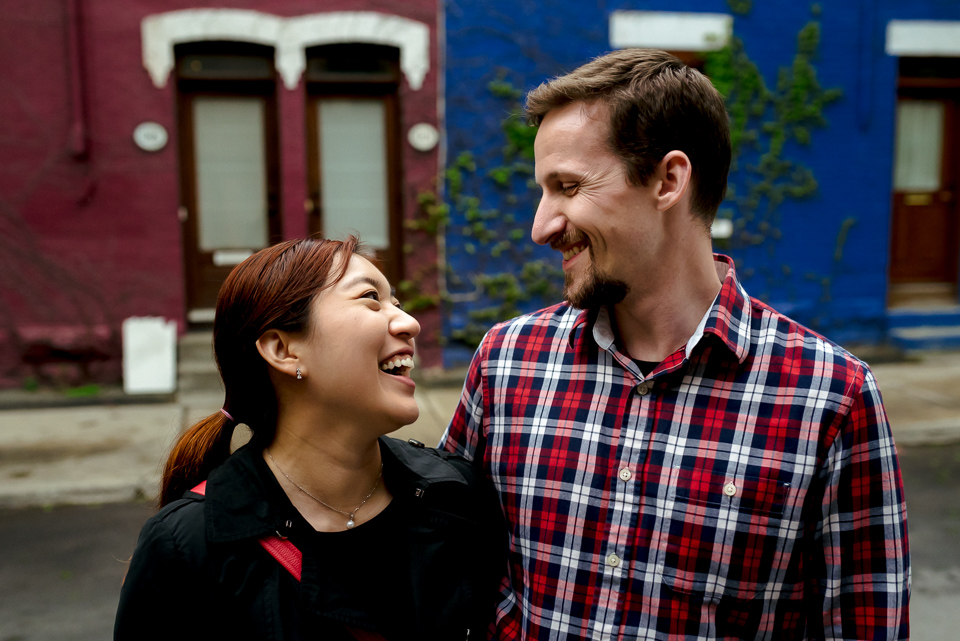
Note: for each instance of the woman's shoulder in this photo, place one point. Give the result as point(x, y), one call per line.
point(432, 465)
point(177, 528)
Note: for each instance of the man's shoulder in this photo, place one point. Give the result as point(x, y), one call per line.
point(557, 319)
point(776, 333)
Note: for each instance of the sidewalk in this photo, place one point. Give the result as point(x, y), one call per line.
point(113, 452)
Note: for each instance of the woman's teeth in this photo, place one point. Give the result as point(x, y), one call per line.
point(405, 361)
point(573, 251)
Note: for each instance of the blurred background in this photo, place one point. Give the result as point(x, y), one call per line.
point(148, 146)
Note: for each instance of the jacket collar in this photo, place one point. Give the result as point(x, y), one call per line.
point(243, 499)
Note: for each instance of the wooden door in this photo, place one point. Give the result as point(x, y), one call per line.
point(229, 170)
point(353, 148)
point(925, 229)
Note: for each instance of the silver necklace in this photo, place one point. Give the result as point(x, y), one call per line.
point(350, 515)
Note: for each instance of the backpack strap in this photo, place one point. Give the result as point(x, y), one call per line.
point(291, 558)
point(286, 553)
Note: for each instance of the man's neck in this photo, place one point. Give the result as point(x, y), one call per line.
point(655, 322)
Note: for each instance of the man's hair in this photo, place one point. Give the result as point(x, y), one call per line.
point(656, 104)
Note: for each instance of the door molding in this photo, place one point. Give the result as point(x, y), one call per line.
point(289, 36)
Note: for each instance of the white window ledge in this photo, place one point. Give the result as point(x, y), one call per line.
point(290, 37)
point(923, 38)
point(670, 30)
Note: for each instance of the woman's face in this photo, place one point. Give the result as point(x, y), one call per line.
point(359, 352)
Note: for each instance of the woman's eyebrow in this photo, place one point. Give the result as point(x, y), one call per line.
point(368, 280)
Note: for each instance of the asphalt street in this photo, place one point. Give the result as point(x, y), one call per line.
point(61, 569)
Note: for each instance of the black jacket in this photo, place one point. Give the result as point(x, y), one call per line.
point(198, 571)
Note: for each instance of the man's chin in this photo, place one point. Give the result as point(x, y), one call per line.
point(596, 293)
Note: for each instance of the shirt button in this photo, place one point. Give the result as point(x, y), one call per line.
point(625, 474)
point(643, 388)
point(729, 489)
point(613, 560)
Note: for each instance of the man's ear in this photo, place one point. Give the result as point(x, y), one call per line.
point(279, 349)
point(674, 174)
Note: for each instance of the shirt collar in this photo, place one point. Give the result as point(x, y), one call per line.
point(728, 318)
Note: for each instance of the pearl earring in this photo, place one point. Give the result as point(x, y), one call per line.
point(299, 375)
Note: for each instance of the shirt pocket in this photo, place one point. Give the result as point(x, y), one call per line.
point(721, 536)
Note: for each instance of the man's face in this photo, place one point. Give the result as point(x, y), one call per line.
point(608, 230)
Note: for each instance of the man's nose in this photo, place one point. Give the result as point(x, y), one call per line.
point(548, 222)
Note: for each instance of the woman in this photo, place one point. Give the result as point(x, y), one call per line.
point(319, 527)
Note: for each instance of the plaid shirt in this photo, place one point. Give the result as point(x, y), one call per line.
point(747, 488)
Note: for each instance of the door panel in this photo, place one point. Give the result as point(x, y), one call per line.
point(354, 180)
point(229, 147)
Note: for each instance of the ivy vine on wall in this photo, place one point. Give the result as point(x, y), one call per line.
point(763, 122)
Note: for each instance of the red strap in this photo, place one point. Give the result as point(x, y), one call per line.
point(291, 558)
point(285, 552)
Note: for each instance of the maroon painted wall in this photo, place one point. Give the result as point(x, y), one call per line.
point(89, 233)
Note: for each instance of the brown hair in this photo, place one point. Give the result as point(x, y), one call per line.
point(273, 289)
point(656, 104)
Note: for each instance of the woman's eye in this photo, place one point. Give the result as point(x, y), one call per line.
point(372, 294)
point(398, 305)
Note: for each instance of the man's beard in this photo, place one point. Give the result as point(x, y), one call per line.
point(597, 290)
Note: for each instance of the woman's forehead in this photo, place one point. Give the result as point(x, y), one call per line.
point(362, 271)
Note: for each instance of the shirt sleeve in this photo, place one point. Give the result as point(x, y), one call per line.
point(862, 579)
point(465, 430)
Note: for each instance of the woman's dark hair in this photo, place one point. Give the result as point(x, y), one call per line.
point(273, 289)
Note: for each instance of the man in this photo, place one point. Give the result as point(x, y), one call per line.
point(674, 458)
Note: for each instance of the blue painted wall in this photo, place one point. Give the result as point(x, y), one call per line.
point(525, 42)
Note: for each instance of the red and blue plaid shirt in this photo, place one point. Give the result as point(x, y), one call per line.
point(747, 488)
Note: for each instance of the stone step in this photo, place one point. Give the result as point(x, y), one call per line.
point(197, 377)
point(195, 347)
point(908, 317)
point(926, 337)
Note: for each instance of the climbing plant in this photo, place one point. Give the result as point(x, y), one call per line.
point(764, 123)
point(507, 279)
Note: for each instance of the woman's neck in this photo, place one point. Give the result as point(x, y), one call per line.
point(326, 472)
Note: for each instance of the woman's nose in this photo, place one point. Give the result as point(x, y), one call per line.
point(404, 324)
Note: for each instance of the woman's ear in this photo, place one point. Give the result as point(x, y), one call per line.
point(279, 349)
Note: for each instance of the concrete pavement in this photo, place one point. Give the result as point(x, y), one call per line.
point(113, 452)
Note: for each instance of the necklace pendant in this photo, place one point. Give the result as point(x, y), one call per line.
point(350, 524)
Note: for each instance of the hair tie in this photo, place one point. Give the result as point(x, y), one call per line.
point(227, 414)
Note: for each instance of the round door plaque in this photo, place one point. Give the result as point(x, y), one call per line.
point(150, 136)
point(423, 136)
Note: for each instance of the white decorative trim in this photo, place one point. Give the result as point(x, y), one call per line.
point(410, 36)
point(923, 38)
point(290, 36)
point(671, 30)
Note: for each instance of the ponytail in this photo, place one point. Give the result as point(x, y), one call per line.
point(198, 450)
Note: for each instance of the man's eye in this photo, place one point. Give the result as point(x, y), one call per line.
point(569, 188)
